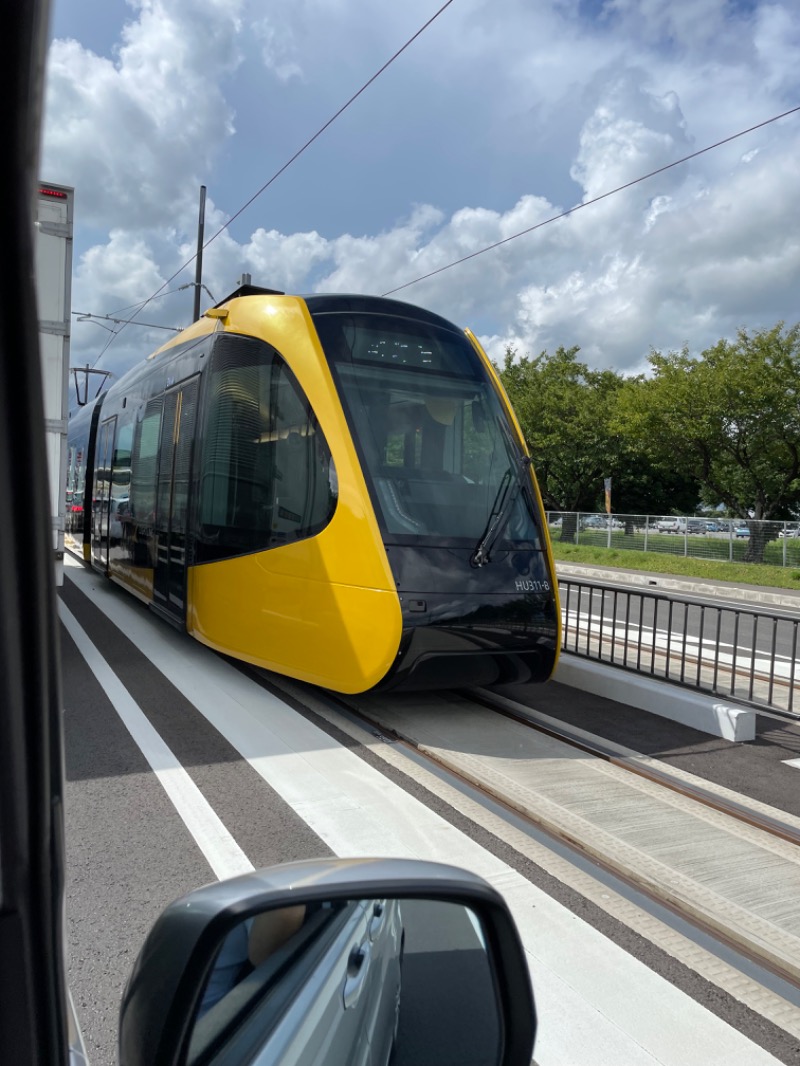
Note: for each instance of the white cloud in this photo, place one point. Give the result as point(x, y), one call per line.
point(777, 45)
point(133, 133)
point(690, 24)
point(522, 116)
point(703, 263)
point(631, 132)
point(275, 260)
point(278, 49)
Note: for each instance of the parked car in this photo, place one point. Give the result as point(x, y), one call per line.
point(695, 525)
point(601, 521)
point(789, 532)
point(671, 525)
point(713, 527)
point(742, 531)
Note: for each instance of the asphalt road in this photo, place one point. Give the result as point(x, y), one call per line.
point(129, 853)
point(642, 615)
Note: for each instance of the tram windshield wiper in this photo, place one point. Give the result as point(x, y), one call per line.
point(510, 488)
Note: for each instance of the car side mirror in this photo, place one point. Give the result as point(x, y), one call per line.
point(328, 962)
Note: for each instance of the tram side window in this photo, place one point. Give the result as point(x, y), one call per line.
point(266, 474)
point(144, 464)
point(121, 467)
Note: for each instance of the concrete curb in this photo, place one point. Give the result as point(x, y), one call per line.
point(707, 713)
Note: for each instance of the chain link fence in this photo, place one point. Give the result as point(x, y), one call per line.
point(729, 540)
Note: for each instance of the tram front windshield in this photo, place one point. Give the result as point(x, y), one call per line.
point(433, 437)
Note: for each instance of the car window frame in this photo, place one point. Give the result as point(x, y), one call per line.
point(33, 1002)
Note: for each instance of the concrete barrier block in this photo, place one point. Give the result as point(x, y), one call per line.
point(698, 710)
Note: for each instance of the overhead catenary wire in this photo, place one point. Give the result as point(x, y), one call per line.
point(286, 165)
point(87, 316)
point(330, 122)
point(588, 203)
point(141, 303)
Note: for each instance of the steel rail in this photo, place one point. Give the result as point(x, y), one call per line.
point(716, 929)
point(605, 750)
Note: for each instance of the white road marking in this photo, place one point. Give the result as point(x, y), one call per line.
point(221, 851)
point(597, 1005)
point(791, 762)
point(782, 666)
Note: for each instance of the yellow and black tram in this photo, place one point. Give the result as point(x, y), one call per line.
point(331, 487)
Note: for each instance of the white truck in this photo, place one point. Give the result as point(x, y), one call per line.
point(54, 214)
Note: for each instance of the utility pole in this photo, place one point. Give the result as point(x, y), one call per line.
point(198, 275)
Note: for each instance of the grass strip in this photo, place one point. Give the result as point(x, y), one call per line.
point(657, 562)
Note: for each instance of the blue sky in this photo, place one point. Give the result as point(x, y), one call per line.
point(503, 113)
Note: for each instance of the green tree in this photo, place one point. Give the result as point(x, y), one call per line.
point(568, 414)
point(731, 418)
point(562, 407)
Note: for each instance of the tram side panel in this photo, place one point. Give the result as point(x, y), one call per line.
point(245, 524)
point(291, 572)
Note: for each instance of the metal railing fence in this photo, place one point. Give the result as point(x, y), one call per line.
point(740, 653)
point(728, 540)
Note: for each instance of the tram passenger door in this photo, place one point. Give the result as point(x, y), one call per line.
point(101, 494)
point(172, 511)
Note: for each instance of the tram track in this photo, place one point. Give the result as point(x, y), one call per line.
point(731, 930)
point(645, 767)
